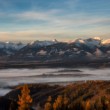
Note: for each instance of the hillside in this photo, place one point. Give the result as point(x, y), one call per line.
point(90, 95)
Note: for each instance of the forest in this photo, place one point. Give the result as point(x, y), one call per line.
point(90, 95)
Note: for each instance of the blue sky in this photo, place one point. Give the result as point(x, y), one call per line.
point(28, 20)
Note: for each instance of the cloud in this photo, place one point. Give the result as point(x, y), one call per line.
point(69, 25)
point(35, 15)
point(54, 18)
point(31, 16)
point(30, 35)
point(50, 24)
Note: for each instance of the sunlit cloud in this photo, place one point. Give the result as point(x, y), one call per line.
point(65, 19)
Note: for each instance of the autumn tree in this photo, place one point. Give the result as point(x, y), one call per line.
point(48, 105)
point(87, 106)
point(25, 99)
point(65, 102)
point(105, 103)
point(58, 103)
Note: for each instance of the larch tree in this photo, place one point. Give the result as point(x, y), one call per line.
point(25, 99)
point(48, 105)
point(58, 103)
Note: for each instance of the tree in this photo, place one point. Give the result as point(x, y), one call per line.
point(65, 102)
point(58, 104)
point(87, 106)
point(48, 105)
point(25, 99)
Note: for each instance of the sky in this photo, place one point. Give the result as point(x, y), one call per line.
point(28, 20)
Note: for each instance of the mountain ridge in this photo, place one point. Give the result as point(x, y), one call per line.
point(46, 52)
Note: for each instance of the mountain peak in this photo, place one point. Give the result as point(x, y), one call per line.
point(97, 38)
point(43, 43)
point(105, 42)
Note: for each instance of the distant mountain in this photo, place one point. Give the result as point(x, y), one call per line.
point(79, 49)
point(91, 42)
point(106, 42)
point(9, 48)
point(10, 45)
point(42, 43)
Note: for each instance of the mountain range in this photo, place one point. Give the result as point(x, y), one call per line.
point(50, 51)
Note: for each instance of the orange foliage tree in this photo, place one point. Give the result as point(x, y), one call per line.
point(25, 99)
point(58, 103)
point(87, 106)
point(48, 105)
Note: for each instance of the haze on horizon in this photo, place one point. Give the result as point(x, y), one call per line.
point(28, 20)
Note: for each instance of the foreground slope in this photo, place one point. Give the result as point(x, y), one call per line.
point(90, 95)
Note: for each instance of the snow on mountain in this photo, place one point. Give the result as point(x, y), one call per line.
point(106, 42)
point(98, 52)
point(19, 45)
point(42, 52)
point(86, 47)
point(9, 48)
point(97, 38)
point(43, 43)
point(79, 41)
point(93, 42)
point(14, 46)
point(88, 54)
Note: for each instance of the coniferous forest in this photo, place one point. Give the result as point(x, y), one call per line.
point(90, 95)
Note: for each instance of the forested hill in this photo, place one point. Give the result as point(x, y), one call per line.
point(90, 95)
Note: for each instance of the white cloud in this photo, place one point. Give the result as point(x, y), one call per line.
point(36, 15)
point(31, 16)
point(57, 24)
point(57, 18)
point(52, 19)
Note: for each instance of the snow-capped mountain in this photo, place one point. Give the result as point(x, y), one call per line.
point(42, 43)
point(91, 42)
point(9, 48)
point(14, 46)
point(92, 47)
point(106, 42)
point(10, 45)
